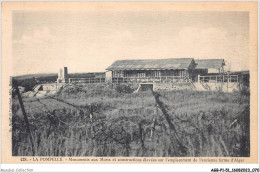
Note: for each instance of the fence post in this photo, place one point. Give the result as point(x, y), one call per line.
point(227, 81)
point(25, 118)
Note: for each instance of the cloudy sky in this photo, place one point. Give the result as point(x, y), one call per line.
point(43, 42)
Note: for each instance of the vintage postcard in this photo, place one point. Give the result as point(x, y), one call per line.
point(129, 82)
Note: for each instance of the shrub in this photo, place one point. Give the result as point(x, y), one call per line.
point(122, 88)
point(245, 91)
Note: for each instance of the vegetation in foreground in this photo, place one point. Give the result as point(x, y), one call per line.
point(102, 120)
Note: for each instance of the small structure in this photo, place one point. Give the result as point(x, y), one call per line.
point(208, 67)
point(151, 70)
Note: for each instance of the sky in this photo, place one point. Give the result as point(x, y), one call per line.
point(91, 41)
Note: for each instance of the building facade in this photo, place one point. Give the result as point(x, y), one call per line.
point(151, 70)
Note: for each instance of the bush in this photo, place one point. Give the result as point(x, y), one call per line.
point(28, 84)
point(245, 91)
point(121, 88)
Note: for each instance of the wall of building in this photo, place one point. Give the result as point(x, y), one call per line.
point(177, 72)
point(197, 72)
point(219, 86)
point(213, 70)
point(224, 87)
point(171, 87)
point(150, 73)
point(109, 76)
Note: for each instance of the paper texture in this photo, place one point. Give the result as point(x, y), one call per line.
point(99, 118)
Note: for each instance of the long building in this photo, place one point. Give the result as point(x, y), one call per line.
point(166, 74)
point(162, 70)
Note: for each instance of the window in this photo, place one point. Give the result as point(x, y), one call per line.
point(141, 75)
point(157, 73)
point(181, 73)
point(118, 73)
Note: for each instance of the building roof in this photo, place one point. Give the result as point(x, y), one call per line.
point(210, 63)
point(243, 72)
point(152, 64)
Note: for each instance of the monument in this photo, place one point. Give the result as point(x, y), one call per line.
point(63, 75)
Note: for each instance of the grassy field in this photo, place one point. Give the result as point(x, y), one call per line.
point(97, 120)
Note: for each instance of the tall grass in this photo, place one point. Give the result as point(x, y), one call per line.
point(99, 121)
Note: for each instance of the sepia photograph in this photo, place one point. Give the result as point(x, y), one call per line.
point(105, 82)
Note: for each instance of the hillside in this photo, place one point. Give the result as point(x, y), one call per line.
point(71, 75)
point(30, 76)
